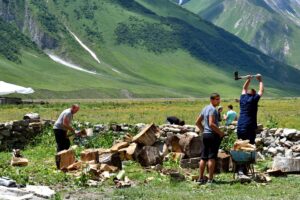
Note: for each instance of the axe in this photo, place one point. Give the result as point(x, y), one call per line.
point(237, 77)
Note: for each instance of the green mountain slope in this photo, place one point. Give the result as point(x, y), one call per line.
point(142, 48)
point(271, 26)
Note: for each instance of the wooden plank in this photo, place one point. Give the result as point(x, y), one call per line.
point(147, 136)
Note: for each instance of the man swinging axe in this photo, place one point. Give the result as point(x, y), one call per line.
point(247, 123)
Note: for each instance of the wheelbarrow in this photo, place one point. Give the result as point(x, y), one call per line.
point(243, 158)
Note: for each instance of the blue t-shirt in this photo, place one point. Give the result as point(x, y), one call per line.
point(231, 115)
point(206, 112)
point(248, 112)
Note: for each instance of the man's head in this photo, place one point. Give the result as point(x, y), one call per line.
point(230, 107)
point(215, 99)
point(74, 108)
point(251, 92)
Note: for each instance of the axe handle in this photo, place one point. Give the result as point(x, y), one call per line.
point(242, 77)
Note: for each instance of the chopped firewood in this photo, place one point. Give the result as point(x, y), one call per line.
point(243, 145)
point(89, 154)
point(118, 146)
point(19, 161)
point(109, 168)
point(75, 166)
point(147, 136)
point(64, 159)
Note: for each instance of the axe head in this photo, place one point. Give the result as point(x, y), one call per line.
point(236, 75)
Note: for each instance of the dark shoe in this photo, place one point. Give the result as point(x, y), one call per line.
point(201, 181)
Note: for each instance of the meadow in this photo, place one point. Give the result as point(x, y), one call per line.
point(41, 151)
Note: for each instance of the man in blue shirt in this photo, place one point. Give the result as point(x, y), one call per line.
point(212, 137)
point(230, 115)
point(247, 123)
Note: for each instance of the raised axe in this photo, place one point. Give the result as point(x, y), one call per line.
point(237, 77)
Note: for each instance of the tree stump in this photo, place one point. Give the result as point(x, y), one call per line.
point(149, 156)
point(89, 154)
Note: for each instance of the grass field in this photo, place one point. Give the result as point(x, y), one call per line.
point(41, 169)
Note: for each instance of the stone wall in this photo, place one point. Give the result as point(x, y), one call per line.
point(16, 134)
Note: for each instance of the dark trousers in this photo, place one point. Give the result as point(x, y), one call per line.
point(62, 141)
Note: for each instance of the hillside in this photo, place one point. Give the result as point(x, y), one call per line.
point(271, 26)
point(130, 49)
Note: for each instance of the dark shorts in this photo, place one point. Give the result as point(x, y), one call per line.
point(249, 134)
point(211, 144)
point(63, 143)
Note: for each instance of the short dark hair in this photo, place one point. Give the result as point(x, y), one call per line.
point(230, 106)
point(214, 96)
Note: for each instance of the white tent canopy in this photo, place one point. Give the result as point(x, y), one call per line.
point(8, 88)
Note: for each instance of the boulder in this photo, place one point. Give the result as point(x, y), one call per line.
point(296, 148)
point(286, 164)
point(278, 132)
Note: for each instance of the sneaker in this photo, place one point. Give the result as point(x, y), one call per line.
point(243, 178)
point(211, 181)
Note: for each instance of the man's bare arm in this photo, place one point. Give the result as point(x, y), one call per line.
point(246, 84)
point(66, 123)
point(199, 123)
point(261, 85)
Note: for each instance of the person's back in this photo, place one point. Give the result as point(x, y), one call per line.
point(248, 111)
point(230, 115)
point(207, 111)
point(59, 122)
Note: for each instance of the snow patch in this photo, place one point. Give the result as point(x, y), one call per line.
point(237, 24)
point(286, 48)
point(85, 47)
point(68, 64)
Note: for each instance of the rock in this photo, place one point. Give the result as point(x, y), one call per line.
point(149, 156)
point(296, 148)
point(5, 133)
point(288, 153)
point(282, 141)
point(286, 164)
point(272, 130)
point(288, 144)
point(147, 136)
point(278, 132)
point(64, 159)
point(289, 133)
point(280, 149)
point(272, 151)
point(264, 134)
point(269, 140)
point(40, 191)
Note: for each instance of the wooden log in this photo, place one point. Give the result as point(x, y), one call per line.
point(19, 161)
point(118, 146)
point(147, 136)
point(75, 166)
point(111, 159)
point(286, 164)
point(90, 154)
point(64, 159)
point(191, 145)
point(162, 147)
point(108, 168)
point(149, 156)
point(128, 153)
point(222, 163)
point(173, 143)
